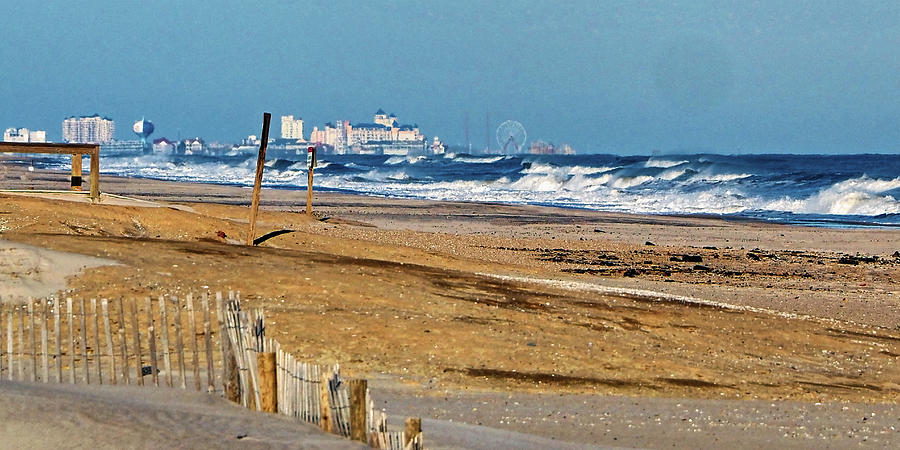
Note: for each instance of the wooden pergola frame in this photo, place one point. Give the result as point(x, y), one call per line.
point(76, 150)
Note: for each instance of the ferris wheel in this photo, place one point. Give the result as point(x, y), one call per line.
point(511, 137)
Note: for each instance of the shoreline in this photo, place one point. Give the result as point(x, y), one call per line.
point(819, 221)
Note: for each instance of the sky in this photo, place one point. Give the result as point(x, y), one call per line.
point(632, 77)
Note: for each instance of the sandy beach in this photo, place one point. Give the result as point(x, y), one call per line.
point(567, 325)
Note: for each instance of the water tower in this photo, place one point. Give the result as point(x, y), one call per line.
point(144, 128)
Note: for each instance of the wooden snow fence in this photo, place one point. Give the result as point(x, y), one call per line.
point(167, 341)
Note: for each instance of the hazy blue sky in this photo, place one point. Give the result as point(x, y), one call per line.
point(621, 77)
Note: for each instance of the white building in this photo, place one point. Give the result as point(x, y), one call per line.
point(88, 129)
point(163, 145)
point(24, 135)
point(291, 128)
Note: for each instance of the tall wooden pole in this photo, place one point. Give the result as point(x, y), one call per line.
point(309, 192)
point(257, 184)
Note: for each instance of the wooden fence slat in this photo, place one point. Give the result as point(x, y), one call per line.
point(167, 361)
point(34, 362)
point(207, 336)
point(9, 344)
point(179, 343)
point(86, 375)
point(70, 313)
point(229, 373)
point(104, 305)
point(45, 368)
point(21, 311)
point(98, 354)
point(58, 336)
point(193, 324)
point(2, 309)
point(136, 334)
point(151, 336)
point(123, 342)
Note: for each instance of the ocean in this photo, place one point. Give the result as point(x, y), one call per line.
point(819, 190)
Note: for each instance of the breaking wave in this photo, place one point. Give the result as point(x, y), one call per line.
point(786, 188)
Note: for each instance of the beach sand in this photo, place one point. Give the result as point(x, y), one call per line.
point(447, 308)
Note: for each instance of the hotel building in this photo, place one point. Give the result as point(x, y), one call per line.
point(88, 130)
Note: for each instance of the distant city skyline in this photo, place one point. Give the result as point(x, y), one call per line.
point(604, 77)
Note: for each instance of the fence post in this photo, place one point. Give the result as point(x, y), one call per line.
point(358, 405)
point(268, 382)
point(325, 420)
point(413, 429)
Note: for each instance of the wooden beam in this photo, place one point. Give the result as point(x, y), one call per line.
point(59, 149)
point(64, 149)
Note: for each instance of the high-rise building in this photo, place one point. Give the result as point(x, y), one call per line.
point(88, 129)
point(24, 135)
point(291, 128)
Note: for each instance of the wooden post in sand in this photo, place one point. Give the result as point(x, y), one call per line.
point(358, 406)
point(310, 165)
point(325, 419)
point(268, 384)
point(76, 171)
point(257, 183)
point(95, 174)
